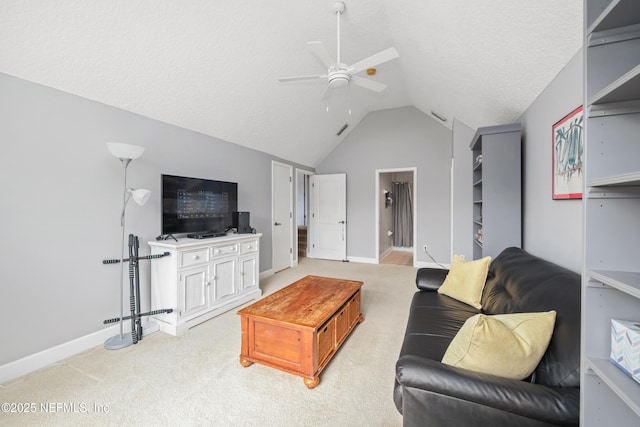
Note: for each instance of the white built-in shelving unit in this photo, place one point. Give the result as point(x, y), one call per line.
point(611, 274)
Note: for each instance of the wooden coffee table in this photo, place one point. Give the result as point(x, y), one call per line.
point(299, 328)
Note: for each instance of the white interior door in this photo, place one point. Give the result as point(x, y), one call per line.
point(329, 216)
point(282, 225)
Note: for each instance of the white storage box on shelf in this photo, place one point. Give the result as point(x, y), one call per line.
point(625, 347)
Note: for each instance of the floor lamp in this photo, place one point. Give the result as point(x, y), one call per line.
point(126, 153)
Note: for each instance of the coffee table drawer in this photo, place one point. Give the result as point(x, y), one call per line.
point(342, 323)
point(326, 340)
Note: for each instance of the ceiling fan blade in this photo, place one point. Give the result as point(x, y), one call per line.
point(368, 84)
point(373, 60)
point(318, 49)
point(327, 93)
point(296, 78)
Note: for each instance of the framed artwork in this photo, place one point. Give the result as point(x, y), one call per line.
point(568, 156)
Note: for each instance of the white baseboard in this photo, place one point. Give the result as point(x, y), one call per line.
point(44, 358)
point(385, 253)
point(362, 260)
point(421, 264)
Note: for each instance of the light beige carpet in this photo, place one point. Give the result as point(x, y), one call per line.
point(196, 379)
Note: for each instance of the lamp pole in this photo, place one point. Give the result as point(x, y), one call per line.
point(121, 341)
point(126, 153)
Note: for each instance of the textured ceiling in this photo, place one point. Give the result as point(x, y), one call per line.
point(212, 66)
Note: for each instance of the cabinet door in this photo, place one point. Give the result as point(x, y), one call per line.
point(248, 273)
point(223, 279)
point(193, 291)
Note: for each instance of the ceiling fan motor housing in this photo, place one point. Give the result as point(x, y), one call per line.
point(338, 78)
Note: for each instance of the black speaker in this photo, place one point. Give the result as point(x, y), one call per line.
point(241, 222)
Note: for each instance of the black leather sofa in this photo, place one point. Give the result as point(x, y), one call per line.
point(430, 393)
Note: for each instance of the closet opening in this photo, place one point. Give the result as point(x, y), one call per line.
point(395, 212)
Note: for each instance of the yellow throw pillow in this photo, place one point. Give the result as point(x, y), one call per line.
point(507, 345)
point(465, 280)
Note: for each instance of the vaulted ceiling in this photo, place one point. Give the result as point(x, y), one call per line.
point(212, 66)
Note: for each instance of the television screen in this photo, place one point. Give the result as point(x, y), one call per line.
point(193, 205)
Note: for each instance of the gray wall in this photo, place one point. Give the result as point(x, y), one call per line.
point(552, 228)
point(394, 139)
point(462, 190)
point(62, 195)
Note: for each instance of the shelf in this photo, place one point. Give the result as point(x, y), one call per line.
point(620, 383)
point(477, 201)
point(628, 179)
point(477, 242)
point(624, 281)
point(475, 221)
point(619, 13)
point(477, 183)
point(626, 88)
point(611, 273)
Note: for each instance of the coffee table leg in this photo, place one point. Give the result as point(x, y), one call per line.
point(311, 383)
point(244, 362)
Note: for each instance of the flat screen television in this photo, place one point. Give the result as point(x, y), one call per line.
point(194, 205)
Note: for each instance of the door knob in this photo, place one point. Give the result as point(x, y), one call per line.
point(278, 223)
point(341, 222)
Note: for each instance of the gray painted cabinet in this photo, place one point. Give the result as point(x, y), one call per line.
point(497, 205)
point(611, 274)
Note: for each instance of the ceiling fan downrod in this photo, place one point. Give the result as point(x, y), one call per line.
point(338, 76)
point(338, 9)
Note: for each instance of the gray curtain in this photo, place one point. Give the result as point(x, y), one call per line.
point(402, 214)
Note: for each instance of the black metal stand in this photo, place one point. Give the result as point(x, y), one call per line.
point(134, 289)
point(166, 237)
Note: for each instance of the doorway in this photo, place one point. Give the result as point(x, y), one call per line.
point(396, 203)
point(328, 220)
point(302, 212)
point(282, 214)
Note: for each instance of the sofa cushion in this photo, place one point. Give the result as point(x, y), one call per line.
point(466, 280)
point(506, 345)
point(519, 282)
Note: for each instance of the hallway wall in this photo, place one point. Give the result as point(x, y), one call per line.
point(398, 138)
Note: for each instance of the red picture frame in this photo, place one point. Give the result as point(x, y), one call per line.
point(567, 174)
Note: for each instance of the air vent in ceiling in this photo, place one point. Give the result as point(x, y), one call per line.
point(342, 129)
point(438, 116)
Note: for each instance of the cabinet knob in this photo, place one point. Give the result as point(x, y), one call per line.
point(217, 251)
point(196, 257)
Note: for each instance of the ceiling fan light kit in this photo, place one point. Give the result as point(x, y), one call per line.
point(340, 75)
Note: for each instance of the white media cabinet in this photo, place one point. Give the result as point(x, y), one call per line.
point(203, 278)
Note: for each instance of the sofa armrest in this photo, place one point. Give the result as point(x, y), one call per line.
point(430, 279)
point(522, 399)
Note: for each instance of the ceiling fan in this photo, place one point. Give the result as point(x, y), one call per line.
point(339, 74)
